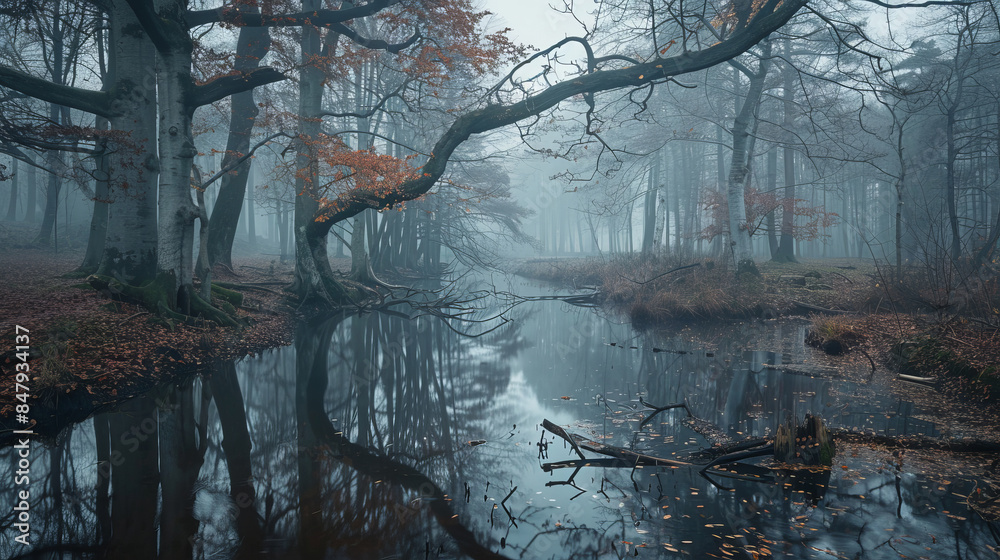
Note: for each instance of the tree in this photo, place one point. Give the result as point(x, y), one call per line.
point(139, 28)
point(252, 46)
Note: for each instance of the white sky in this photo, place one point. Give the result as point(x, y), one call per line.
point(532, 21)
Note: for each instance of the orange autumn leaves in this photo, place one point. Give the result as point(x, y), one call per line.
point(357, 174)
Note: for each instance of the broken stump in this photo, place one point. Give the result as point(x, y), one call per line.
point(809, 443)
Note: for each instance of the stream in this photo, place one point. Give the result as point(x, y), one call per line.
point(378, 436)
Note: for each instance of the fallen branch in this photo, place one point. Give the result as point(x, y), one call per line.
point(662, 274)
point(576, 464)
point(252, 286)
point(132, 316)
point(842, 276)
point(659, 409)
point(929, 381)
point(562, 433)
point(733, 457)
point(825, 372)
point(818, 309)
point(611, 451)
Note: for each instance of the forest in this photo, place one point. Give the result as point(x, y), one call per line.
point(661, 278)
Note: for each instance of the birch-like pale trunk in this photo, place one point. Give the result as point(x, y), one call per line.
point(661, 205)
point(786, 245)
point(739, 232)
point(175, 250)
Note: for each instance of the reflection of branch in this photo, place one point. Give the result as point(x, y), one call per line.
point(503, 504)
point(375, 466)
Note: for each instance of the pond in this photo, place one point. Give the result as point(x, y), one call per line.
point(379, 436)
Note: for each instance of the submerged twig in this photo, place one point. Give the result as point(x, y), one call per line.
point(659, 409)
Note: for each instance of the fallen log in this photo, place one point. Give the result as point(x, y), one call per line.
point(733, 457)
point(576, 464)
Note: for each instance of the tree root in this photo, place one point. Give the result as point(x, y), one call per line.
point(155, 297)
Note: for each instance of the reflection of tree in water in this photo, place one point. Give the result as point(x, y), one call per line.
point(407, 397)
point(410, 391)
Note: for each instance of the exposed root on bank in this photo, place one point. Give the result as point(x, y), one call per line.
point(155, 297)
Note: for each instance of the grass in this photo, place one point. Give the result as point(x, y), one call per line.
point(655, 289)
point(834, 335)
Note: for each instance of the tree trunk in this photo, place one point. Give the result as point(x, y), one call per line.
point(786, 245)
point(660, 201)
point(253, 44)
point(135, 477)
point(182, 453)
point(251, 211)
point(99, 216)
point(951, 188)
point(54, 159)
point(739, 233)
point(314, 281)
point(772, 185)
point(130, 245)
point(175, 259)
point(236, 445)
point(102, 500)
point(32, 202)
point(649, 212)
point(12, 201)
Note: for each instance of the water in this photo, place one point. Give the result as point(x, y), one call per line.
point(382, 437)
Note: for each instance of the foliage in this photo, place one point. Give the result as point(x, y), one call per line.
point(812, 224)
point(362, 171)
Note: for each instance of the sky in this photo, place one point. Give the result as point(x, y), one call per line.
point(532, 21)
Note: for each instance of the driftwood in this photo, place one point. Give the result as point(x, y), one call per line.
point(930, 381)
point(811, 443)
point(611, 451)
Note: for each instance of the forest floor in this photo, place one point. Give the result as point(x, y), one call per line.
point(87, 351)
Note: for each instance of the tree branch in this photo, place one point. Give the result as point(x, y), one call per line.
point(375, 44)
point(492, 117)
point(926, 4)
point(96, 102)
point(225, 86)
point(322, 18)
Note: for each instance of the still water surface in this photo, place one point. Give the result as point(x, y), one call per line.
point(378, 437)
